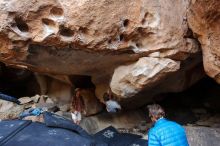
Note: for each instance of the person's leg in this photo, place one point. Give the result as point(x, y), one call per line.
point(79, 117)
point(74, 117)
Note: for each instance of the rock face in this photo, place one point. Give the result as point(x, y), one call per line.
point(92, 104)
point(9, 110)
point(61, 90)
point(102, 39)
point(128, 119)
point(203, 136)
point(131, 79)
point(204, 20)
point(17, 82)
point(97, 35)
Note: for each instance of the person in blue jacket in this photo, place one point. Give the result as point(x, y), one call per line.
point(164, 132)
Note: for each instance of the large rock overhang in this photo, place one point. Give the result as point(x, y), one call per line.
point(95, 38)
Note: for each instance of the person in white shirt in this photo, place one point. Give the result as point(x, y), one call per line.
point(112, 106)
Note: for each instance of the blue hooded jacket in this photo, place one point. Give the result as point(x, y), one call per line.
point(167, 133)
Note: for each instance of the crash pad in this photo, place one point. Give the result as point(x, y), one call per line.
point(107, 135)
point(40, 135)
point(139, 142)
point(9, 128)
point(58, 131)
point(112, 137)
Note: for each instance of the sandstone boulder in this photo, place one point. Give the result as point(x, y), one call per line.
point(96, 38)
point(10, 110)
point(127, 120)
point(204, 19)
point(58, 36)
point(203, 136)
point(131, 79)
point(25, 100)
point(92, 104)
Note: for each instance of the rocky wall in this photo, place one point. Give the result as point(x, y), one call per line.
point(130, 46)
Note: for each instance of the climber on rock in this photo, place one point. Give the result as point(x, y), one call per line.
point(78, 107)
point(112, 106)
point(164, 132)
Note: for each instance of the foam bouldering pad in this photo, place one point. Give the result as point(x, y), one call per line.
point(9, 98)
point(107, 135)
point(40, 135)
point(53, 120)
point(139, 142)
point(9, 128)
point(112, 137)
point(125, 139)
point(57, 131)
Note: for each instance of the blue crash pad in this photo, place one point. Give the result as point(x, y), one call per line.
point(107, 135)
point(111, 136)
point(40, 135)
point(139, 142)
point(125, 139)
point(53, 120)
point(57, 131)
point(9, 98)
point(10, 128)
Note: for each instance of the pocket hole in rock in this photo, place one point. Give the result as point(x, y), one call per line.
point(109, 41)
point(56, 11)
point(125, 22)
point(144, 19)
point(21, 25)
point(138, 45)
point(121, 37)
point(66, 32)
point(48, 22)
point(83, 30)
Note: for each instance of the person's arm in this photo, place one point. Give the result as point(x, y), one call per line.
point(118, 106)
point(73, 104)
point(110, 94)
point(152, 139)
point(81, 104)
point(115, 104)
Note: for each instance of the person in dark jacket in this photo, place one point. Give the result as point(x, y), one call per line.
point(164, 132)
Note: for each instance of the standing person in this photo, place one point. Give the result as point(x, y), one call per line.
point(77, 107)
point(112, 106)
point(164, 132)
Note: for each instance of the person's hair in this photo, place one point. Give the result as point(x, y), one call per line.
point(106, 96)
point(77, 89)
point(156, 111)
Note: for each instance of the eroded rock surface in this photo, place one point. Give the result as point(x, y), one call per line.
point(128, 119)
point(203, 136)
point(9, 110)
point(97, 38)
point(131, 79)
point(204, 20)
